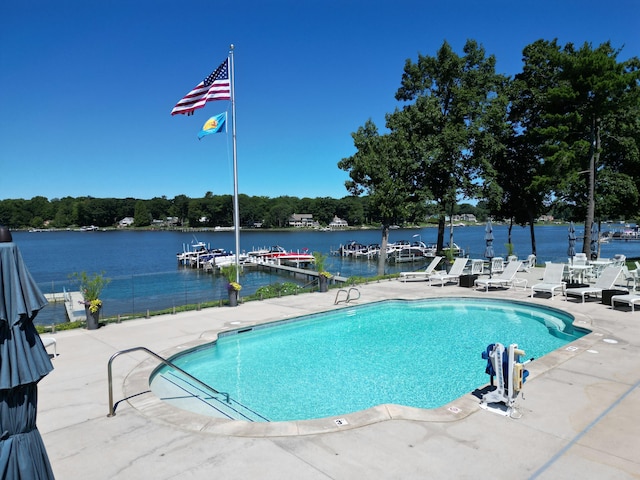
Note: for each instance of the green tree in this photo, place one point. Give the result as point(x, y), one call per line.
point(581, 118)
point(141, 216)
point(382, 168)
point(451, 95)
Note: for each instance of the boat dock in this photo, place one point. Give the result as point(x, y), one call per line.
point(309, 275)
point(75, 310)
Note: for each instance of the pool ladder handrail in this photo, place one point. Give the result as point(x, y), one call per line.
point(348, 299)
point(112, 411)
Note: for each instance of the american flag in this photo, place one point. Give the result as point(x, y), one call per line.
point(215, 87)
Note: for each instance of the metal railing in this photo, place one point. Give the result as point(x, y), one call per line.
point(112, 411)
point(348, 298)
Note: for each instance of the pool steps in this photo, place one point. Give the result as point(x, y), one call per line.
point(177, 390)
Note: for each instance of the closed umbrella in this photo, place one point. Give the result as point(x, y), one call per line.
point(488, 238)
point(572, 241)
point(23, 363)
point(595, 240)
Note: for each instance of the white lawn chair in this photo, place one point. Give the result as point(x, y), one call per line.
point(605, 281)
point(630, 299)
point(497, 265)
point(629, 276)
point(506, 279)
point(551, 280)
point(420, 274)
point(453, 275)
point(50, 341)
point(529, 263)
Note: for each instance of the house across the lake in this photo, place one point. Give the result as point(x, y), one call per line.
point(302, 220)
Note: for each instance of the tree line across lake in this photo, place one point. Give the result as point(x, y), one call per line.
point(208, 211)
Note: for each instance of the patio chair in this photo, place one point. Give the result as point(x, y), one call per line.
point(420, 274)
point(630, 299)
point(629, 276)
point(551, 280)
point(605, 281)
point(453, 275)
point(528, 264)
point(497, 265)
point(506, 279)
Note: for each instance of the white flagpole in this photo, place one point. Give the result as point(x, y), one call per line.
point(236, 211)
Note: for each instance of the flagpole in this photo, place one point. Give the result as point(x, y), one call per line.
point(236, 210)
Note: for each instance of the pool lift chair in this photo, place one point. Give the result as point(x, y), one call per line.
point(506, 366)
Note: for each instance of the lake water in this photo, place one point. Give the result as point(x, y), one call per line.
point(146, 276)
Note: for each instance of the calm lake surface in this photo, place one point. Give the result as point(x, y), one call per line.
point(146, 276)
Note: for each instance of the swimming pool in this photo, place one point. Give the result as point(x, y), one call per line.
point(415, 353)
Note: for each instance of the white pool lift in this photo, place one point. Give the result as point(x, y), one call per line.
point(510, 374)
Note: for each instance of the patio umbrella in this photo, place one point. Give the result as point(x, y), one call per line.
point(488, 238)
point(595, 240)
point(572, 241)
point(23, 362)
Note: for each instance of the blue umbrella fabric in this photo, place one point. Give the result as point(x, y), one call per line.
point(23, 362)
point(595, 240)
point(572, 241)
point(488, 237)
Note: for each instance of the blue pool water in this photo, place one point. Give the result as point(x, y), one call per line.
point(415, 353)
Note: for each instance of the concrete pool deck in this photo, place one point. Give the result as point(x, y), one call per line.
point(577, 415)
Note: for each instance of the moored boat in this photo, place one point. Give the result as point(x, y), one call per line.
point(277, 254)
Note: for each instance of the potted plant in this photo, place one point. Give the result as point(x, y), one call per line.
point(449, 256)
point(230, 272)
point(323, 276)
point(510, 250)
point(91, 286)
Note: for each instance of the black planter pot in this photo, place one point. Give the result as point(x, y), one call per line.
point(233, 298)
point(93, 318)
point(324, 283)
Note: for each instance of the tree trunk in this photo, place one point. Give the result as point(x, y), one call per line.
point(591, 200)
point(533, 234)
point(382, 258)
point(440, 240)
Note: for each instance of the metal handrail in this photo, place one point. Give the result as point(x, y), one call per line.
point(349, 294)
point(112, 412)
point(348, 299)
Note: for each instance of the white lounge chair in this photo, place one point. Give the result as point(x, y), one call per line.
point(47, 342)
point(605, 281)
point(506, 279)
point(630, 299)
point(420, 274)
point(453, 275)
point(630, 276)
point(551, 280)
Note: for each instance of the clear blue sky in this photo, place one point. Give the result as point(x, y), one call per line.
point(87, 87)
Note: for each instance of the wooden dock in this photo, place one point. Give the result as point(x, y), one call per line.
point(296, 272)
point(75, 310)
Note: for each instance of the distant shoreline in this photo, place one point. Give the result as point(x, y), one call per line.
point(276, 229)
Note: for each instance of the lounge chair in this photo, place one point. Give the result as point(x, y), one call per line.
point(506, 279)
point(551, 280)
point(453, 275)
point(630, 299)
point(49, 341)
point(420, 274)
point(630, 276)
point(605, 281)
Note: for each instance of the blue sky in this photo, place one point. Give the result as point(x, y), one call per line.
point(87, 87)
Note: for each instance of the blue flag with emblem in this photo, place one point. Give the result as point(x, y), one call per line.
point(214, 125)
